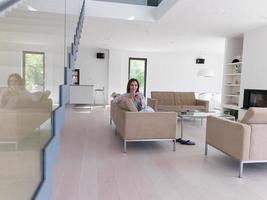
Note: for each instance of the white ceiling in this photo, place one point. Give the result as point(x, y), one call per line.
point(186, 26)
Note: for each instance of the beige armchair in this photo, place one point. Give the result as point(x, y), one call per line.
point(143, 126)
point(245, 141)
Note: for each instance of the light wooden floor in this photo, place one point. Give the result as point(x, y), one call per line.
point(91, 165)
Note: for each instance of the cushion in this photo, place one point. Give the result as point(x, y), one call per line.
point(169, 108)
point(38, 96)
point(46, 94)
point(115, 94)
point(255, 115)
point(184, 98)
point(164, 98)
point(127, 104)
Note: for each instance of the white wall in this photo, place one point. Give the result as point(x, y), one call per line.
point(233, 49)
point(93, 71)
point(254, 68)
point(167, 71)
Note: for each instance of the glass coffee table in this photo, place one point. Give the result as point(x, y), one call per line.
point(197, 115)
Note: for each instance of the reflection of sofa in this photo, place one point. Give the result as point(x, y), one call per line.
point(141, 126)
point(16, 123)
point(245, 141)
point(176, 101)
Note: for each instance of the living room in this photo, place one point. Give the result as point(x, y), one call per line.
point(95, 167)
point(152, 170)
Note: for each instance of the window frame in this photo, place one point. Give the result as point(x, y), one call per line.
point(24, 62)
point(145, 75)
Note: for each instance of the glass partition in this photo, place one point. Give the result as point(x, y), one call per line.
point(33, 41)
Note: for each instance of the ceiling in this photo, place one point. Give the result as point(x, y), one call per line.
point(186, 25)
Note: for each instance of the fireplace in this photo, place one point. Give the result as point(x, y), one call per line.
point(255, 98)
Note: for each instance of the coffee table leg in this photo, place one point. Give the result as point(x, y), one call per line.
point(181, 140)
point(182, 128)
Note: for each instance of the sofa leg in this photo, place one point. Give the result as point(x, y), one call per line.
point(241, 164)
point(174, 145)
point(124, 146)
point(116, 131)
point(206, 148)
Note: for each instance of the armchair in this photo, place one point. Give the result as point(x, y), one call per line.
point(245, 141)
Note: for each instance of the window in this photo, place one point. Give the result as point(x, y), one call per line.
point(33, 70)
point(137, 70)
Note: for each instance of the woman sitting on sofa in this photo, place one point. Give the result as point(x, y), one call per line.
point(133, 95)
point(17, 96)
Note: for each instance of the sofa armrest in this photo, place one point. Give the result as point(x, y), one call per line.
point(233, 138)
point(156, 125)
point(153, 103)
point(203, 103)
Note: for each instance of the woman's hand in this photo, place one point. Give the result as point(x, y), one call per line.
point(132, 95)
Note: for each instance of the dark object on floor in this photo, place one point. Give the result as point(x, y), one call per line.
point(186, 142)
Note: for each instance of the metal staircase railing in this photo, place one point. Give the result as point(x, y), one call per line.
point(50, 150)
point(7, 4)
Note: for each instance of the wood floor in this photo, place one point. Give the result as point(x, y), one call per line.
point(91, 166)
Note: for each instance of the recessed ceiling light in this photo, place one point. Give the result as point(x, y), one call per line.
point(30, 8)
point(131, 18)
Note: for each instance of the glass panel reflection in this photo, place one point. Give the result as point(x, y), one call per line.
point(29, 91)
point(25, 127)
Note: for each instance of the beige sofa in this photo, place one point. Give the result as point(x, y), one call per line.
point(141, 126)
point(245, 141)
point(176, 101)
point(20, 121)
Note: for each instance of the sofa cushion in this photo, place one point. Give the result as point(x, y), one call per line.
point(127, 104)
point(255, 116)
point(164, 98)
point(38, 96)
point(184, 98)
point(193, 108)
point(169, 108)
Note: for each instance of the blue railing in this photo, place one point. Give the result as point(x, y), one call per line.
point(7, 4)
point(50, 151)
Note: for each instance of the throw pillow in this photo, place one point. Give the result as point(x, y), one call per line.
point(114, 95)
point(127, 104)
point(37, 96)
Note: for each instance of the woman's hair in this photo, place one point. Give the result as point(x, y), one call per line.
point(129, 83)
point(16, 76)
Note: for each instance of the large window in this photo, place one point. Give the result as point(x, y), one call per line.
point(137, 70)
point(33, 70)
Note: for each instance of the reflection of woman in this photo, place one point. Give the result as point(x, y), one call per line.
point(136, 96)
point(16, 94)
